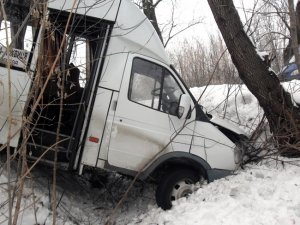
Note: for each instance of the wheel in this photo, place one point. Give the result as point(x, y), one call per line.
point(174, 185)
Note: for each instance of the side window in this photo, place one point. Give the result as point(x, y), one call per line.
point(145, 84)
point(154, 86)
point(81, 49)
point(22, 45)
point(80, 59)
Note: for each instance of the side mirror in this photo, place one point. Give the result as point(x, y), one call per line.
point(184, 106)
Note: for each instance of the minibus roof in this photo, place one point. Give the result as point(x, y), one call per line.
point(132, 28)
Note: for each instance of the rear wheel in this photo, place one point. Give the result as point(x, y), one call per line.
point(174, 185)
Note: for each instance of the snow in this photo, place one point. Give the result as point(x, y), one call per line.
point(260, 194)
point(293, 87)
point(232, 102)
point(79, 202)
point(267, 193)
point(262, 54)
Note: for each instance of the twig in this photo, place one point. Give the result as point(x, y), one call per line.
point(9, 118)
point(60, 114)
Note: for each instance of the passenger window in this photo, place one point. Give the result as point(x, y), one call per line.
point(79, 58)
point(81, 47)
point(154, 86)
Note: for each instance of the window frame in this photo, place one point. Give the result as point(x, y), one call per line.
point(31, 52)
point(164, 70)
point(93, 35)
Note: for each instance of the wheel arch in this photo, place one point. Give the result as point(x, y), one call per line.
point(174, 159)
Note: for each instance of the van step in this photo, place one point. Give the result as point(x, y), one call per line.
point(49, 138)
point(47, 152)
point(49, 132)
point(59, 165)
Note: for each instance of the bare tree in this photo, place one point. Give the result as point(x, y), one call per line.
point(267, 25)
point(294, 36)
point(277, 14)
point(197, 61)
point(168, 31)
point(283, 117)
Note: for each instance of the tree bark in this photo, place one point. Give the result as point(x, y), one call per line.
point(288, 51)
point(294, 36)
point(283, 117)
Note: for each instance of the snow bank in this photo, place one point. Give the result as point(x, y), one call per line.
point(265, 194)
point(293, 87)
point(232, 102)
point(261, 194)
point(236, 103)
point(35, 207)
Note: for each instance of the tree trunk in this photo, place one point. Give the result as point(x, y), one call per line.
point(149, 11)
point(294, 36)
point(283, 117)
point(17, 10)
point(288, 51)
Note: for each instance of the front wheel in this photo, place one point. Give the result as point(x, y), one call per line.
point(174, 185)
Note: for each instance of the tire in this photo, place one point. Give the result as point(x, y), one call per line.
point(175, 184)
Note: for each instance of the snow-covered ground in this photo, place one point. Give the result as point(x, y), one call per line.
point(267, 193)
point(261, 194)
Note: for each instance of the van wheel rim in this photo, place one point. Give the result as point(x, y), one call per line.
point(182, 189)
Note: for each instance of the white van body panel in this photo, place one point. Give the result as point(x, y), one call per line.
point(219, 150)
point(226, 124)
point(136, 34)
point(100, 128)
point(108, 131)
point(113, 68)
point(132, 33)
point(20, 84)
point(106, 9)
point(96, 128)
